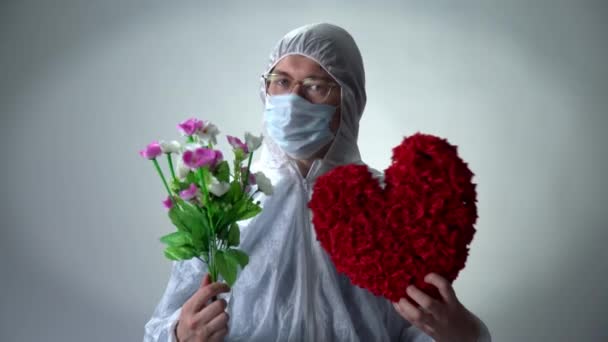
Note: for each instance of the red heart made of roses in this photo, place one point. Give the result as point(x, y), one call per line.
point(385, 238)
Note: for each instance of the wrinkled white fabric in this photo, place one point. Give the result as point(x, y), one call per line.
point(291, 291)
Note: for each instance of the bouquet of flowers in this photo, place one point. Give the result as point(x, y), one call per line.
point(206, 199)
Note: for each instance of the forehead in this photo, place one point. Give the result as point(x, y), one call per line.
point(298, 66)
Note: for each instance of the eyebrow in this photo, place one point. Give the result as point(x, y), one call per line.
point(315, 76)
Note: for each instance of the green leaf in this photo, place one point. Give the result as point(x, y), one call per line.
point(176, 220)
point(213, 207)
point(234, 235)
point(179, 253)
point(177, 239)
point(240, 204)
point(191, 178)
point(237, 256)
point(234, 192)
point(205, 257)
point(250, 210)
point(239, 154)
point(221, 230)
point(230, 216)
point(226, 266)
point(197, 223)
point(222, 172)
point(175, 186)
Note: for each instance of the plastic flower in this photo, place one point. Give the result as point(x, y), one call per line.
point(219, 157)
point(202, 157)
point(263, 183)
point(237, 144)
point(205, 187)
point(253, 142)
point(168, 203)
point(208, 132)
point(182, 169)
point(218, 188)
point(151, 151)
point(170, 146)
point(190, 126)
point(189, 193)
point(191, 146)
point(251, 180)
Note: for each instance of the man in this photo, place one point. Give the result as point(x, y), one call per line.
point(314, 95)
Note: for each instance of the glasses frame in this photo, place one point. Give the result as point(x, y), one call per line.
point(331, 85)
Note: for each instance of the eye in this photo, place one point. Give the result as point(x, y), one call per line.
point(317, 87)
point(280, 81)
point(283, 81)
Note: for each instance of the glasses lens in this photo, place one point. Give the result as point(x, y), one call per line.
point(316, 90)
point(278, 84)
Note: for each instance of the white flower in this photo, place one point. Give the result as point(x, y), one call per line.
point(170, 146)
point(208, 133)
point(263, 183)
point(218, 188)
point(182, 168)
point(253, 142)
point(191, 146)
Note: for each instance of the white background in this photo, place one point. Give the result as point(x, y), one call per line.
point(519, 86)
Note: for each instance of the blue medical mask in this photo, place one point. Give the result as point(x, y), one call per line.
point(298, 126)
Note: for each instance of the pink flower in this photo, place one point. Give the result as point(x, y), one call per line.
point(251, 176)
point(219, 157)
point(151, 151)
point(190, 126)
point(237, 143)
point(202, 157)
point(189, 193)
point(168, 203)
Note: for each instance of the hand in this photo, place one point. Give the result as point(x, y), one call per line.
point(202, 322)
point(446, 320)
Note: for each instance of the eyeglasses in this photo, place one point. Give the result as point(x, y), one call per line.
point(315, 90)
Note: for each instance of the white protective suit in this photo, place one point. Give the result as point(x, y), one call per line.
point(291, 291)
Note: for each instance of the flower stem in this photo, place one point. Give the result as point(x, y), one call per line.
point(212, 245)
point(214, 266)
point(170, 159)
point(203, 184)
point(162, 176)
point(210, 265)
point(248, 170)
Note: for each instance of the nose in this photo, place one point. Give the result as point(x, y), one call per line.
point(298, 89)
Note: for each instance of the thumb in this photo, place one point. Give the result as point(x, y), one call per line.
point(206, 280)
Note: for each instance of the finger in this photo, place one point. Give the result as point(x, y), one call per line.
point(429, 330)
point(211, 311)
point(188, 306)
point(443, 285)
point(425, 327)
point(412, 314)
point(400, 311)
point(202, 296)
point(397, 307)
point(425, 301)
point(206, 281)
point(219, 335)
point(218, 323)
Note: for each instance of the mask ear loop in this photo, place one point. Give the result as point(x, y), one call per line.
point(338, 107)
